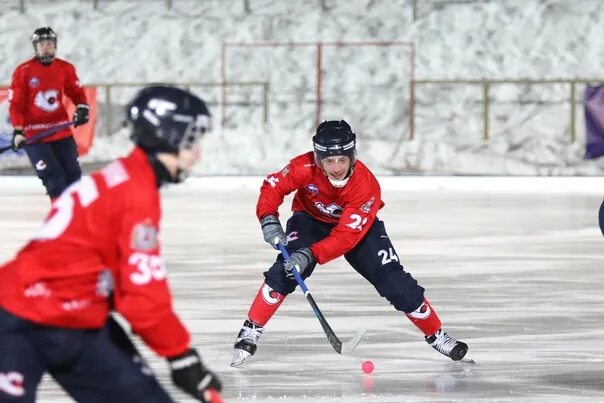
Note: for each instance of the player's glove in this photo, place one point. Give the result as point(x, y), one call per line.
point(191, 376)
point(301, 259)
point(80, 117)
point(273, 231)
point(18, 140)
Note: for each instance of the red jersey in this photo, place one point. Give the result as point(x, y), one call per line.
point(352, 208)
point(36, 96)
point(103, 229)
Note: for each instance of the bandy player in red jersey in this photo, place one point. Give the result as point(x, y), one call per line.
point(334, 213)
point(35, 95)
point(98, 251)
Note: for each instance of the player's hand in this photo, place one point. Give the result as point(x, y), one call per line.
point(18, 140)
point(301, 259)
point(191, 376)
point(273, 231)
point(80, 117)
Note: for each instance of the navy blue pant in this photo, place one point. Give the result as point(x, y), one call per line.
point(602, 217)
point(56, 164)
point(374, 258)
point(95, 366)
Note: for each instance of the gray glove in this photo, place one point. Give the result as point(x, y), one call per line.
point(273, 231)
point(302, 258)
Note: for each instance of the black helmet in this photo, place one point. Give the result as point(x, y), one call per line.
point(166, 119)
point(334, 138)
point(44, 34)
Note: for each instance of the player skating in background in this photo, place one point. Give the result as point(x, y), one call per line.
point(334, 213)
point(35, 96)
point(97, 251)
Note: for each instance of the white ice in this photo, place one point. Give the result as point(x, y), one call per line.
point(369, 87)
point(514, 269)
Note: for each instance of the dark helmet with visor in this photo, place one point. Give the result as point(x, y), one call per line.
point(334, 138)
point(44, 34)
point(166, 119)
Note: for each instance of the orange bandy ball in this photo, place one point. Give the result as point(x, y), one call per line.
point(367, 367)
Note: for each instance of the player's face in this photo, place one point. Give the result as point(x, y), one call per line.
point(180, 165)
point(336, 167)
point(45, 48)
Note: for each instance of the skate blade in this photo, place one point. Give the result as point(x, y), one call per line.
point(239, 357)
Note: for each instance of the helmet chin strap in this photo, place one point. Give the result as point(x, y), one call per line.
point(46, 59)
point(339, 183)
point(162, 175)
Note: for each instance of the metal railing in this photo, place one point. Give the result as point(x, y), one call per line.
point(106, 98)
point(487, 85)
point(107, 90)
point(247, 5)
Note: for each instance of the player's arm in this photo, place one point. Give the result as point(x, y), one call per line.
point(272, 192)
point(16, 98)
point(75, 92)
point(275, 187)
point(142, 294)
point(357, 217)
point(16, 109)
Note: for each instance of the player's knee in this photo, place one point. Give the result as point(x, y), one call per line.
point(54, 184)
point(401, 290)
point(72, 176)
point(277, 280)
point(72, 171)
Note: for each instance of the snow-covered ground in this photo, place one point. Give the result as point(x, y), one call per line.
point(143, 41)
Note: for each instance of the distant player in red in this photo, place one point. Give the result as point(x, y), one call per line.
point(36, 92)
point(98, 251)
point(334, 213)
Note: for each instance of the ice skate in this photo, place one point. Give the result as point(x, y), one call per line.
point(245, 344)
point(447, 345)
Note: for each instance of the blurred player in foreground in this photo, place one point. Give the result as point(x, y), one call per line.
point(98, 251)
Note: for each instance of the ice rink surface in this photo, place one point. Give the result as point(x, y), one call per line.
point(519, 276)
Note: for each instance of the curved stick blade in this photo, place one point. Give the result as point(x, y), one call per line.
point(353, 343)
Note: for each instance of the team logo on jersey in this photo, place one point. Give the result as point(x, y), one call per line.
point(270, 296)
point(285, 171)
point(365, 208)
point(47, 100)
point(34, 82)
point(332, 210)
point(313, 189)
point(292, 236)
point(422, 312)
point(12, 383)
point(40, 165)
point(144, 236)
